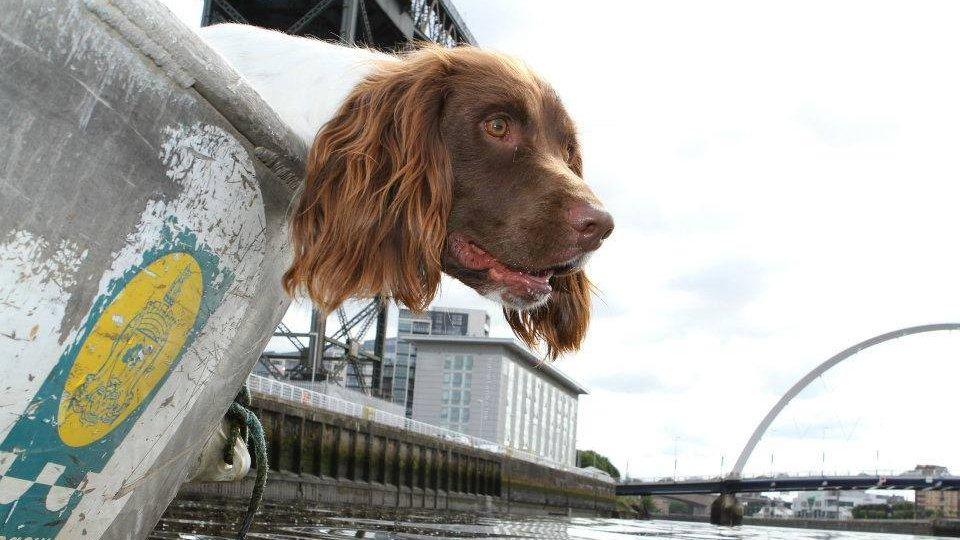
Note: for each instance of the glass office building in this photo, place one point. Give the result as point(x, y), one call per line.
point(398, 375)
point(495, 389)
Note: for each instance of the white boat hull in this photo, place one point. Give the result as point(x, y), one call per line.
point(141, 245)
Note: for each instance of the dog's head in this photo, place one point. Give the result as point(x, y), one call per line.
point(459, 161)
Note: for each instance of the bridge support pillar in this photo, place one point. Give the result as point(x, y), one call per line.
point(726, 511)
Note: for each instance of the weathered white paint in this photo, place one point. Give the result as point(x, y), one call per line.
point(221, 203)
point(100, 64)
point(34, 278)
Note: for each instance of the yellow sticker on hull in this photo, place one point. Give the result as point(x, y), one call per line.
point(130, 348)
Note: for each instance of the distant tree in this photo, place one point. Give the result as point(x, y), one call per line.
point(871, 511)
point(677, 507)
point(646, 502)
point(645, 506)
point(900, 510)
point(752, 508)
point(642, 505)
point(589, 458)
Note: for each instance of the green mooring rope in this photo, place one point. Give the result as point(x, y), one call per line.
point(246, 424)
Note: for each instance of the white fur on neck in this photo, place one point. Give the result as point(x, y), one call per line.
point(304, 80)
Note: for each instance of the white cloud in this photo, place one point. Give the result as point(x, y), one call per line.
point(784, 182)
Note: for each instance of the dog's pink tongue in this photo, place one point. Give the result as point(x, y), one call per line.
point(520, 282)
point(471, 256)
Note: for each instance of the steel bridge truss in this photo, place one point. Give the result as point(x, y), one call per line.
point(382, 24)
point(341, 357)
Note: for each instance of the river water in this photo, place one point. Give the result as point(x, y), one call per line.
point(414, 527)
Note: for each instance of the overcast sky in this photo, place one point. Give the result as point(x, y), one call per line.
point(784, 180)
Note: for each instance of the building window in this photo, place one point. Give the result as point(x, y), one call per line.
point(537, 416)
point(508, 376)
point(421, 327)
point(456, 393)
point(517, 406)
point(527, 396)
point(449, 324)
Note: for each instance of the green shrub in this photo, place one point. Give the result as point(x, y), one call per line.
point(589, 458)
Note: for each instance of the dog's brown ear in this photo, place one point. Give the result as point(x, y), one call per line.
point(378, 189)
point(562, 322)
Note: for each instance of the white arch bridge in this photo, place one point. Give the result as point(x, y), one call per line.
point(733, 483)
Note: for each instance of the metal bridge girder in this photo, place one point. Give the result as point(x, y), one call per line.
point(801, 483)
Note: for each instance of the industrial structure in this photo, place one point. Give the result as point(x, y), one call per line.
point(380, 24)
point(339, 356)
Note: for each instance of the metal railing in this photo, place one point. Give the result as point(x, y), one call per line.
point(302, 396)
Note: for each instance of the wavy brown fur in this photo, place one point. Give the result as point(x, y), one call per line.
point(562, 322)
point(372, 216)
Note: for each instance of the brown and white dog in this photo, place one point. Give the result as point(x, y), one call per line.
point(461, 161)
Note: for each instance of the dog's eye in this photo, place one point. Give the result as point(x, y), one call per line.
point(497, 127)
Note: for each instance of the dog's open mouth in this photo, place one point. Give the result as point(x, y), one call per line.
point(522, 283)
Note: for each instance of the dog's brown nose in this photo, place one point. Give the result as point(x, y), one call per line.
point(593, 225)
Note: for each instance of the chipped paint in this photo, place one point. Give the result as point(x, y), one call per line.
point(89, 428)
point(111, 164)
point(34, 278)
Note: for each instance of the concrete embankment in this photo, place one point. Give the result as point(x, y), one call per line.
point(942, 527)
point(331, 460)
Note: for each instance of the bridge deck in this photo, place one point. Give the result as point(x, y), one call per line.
point(806, 483)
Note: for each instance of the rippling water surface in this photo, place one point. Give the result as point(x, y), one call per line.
point(412, 527)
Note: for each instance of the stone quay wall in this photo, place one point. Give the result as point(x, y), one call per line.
point(328, 459)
